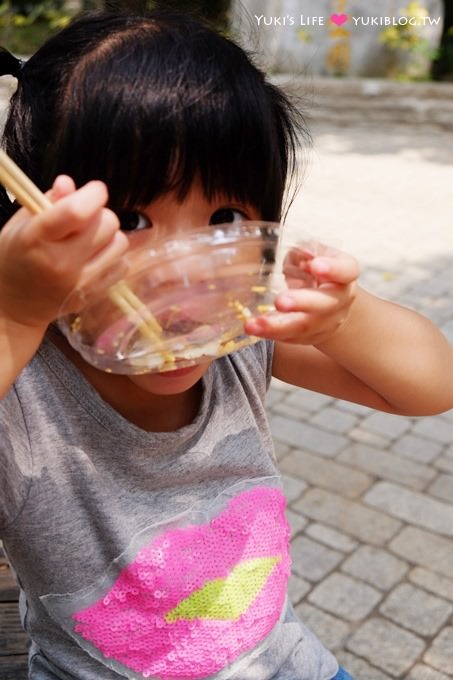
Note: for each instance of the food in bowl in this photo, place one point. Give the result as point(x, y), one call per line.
point(177, 302)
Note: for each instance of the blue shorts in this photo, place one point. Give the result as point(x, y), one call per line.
point(342, 675)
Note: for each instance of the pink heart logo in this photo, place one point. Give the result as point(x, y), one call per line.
point(339, 19)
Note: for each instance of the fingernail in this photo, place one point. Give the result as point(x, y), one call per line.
point(255, 326)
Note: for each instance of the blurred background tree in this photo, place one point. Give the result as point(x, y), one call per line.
point(216, 12)
point(25, 25)
point(442, 68)
point(410, 52)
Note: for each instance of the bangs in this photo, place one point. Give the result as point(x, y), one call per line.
point(149, 104)
point(161, 103)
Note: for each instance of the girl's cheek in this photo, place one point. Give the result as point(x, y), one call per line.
point(140, 239)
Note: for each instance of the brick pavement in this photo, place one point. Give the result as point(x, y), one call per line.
point(370, 495)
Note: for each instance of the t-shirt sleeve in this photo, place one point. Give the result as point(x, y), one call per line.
point(266, 349)
point(15, 459)
point(253, 364)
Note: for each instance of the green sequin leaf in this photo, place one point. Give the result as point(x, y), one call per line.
point(226, 599)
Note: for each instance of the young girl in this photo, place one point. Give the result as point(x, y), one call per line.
point(143, 514)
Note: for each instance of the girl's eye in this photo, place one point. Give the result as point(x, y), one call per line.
point(130, 220)
point(226, 215)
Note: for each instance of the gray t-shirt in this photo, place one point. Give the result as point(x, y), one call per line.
point(150, 555)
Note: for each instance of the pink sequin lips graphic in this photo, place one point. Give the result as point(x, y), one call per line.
point(197, 597)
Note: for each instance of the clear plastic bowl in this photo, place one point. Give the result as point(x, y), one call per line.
point(177, 302)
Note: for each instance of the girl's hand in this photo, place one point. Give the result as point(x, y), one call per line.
point(310, 315)
point(45, 257)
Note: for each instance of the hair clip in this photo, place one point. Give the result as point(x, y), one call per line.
point(9, 64)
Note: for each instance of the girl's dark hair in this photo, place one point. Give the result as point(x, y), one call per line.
point(147, 104)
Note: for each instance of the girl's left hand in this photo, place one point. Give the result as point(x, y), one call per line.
point(309, 316)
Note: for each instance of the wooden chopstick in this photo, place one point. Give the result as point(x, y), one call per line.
point(28, 195)
point(17, 182)
point(123, 297)
point(123, 293)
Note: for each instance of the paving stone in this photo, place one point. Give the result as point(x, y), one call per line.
point(417, 448)
point(345, 597)
point(422, 672)
point(348, 516)
point(435, 583)
point(308, 401)
point(442, 487)
point(297, 523)
point(376, 566)
point(297, 588)
point(281, 386)
point(435, 287)
point(411, 507)
point(281, 449)
point(386, 424)
point(440, 653)
point(293, 488)
point(425, 303)
point(436, 428)
point(311, 560)
point(274, 396)
point(447, 330)
point(331, 537)
point(334, 420)
point(358, 668)
point(298, 434)
point(444, 463)
point(331, 631)
point(437, 311)
point(288, 411)
point(416, 609)
point(369, 438)
point(318, 471)
point(425, 549)
point(444, 273)
point(386, 646)
point(387, 466)
point(351, 407)
point(448, 415)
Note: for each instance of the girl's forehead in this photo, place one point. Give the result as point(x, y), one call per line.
point(195, 192)
point(196, 198)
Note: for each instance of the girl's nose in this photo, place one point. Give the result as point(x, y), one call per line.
point(182, 224)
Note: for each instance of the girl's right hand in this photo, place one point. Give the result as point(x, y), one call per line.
point(45, 257)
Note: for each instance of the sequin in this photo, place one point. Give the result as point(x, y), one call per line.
point(196, 597)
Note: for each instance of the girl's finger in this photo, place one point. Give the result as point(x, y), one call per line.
point(62, 186)
point(342, 268)
point(85, 245)
point(329, 298)
point(295, 327)
point(71, 214)
point(110, 254)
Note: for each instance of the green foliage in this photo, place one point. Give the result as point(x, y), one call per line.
point(406, 40)
point(24, 26)
point(215, 12)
